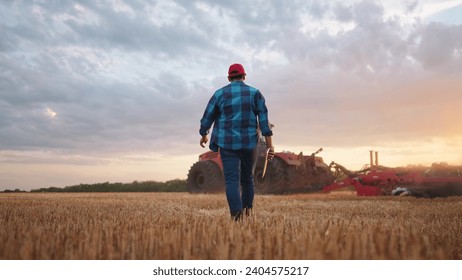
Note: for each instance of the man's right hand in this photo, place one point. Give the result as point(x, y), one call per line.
point(271, 153)
point(204, 140)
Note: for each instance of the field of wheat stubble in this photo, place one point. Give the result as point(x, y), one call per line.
point(181, 226)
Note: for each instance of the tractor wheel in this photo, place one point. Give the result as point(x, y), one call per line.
point(275, 179)
point(205, 177)
point(261, 185)
point(324, 177)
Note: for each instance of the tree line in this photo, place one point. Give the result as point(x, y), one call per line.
point(176, 185)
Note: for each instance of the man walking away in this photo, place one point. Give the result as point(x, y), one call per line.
point(237, 110)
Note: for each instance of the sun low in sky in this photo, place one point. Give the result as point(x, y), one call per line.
point(114, 90)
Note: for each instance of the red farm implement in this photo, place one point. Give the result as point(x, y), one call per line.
point(439, 180)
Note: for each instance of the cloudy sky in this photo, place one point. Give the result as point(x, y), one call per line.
point(113, 90)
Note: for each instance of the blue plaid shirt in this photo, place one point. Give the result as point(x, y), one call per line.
point(236, 110)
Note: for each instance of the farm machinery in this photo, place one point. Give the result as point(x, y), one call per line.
point(439, 180)
point(287, 172)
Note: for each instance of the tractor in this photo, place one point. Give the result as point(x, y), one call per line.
point(287, 172)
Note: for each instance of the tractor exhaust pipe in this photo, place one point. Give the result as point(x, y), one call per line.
point(374, 163)
point(371, 155)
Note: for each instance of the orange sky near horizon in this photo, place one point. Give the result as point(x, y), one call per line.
point(161, 168)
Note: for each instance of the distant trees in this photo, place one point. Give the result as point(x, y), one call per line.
point(13, 191)
point(147, 186)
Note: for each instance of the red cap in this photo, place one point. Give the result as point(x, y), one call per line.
point(236, 70)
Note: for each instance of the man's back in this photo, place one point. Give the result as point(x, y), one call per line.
point(235, 109)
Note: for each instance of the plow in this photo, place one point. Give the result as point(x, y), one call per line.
point(438, 180)
point(288, 172)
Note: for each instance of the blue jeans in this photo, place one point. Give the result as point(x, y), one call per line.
point(238, 170)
